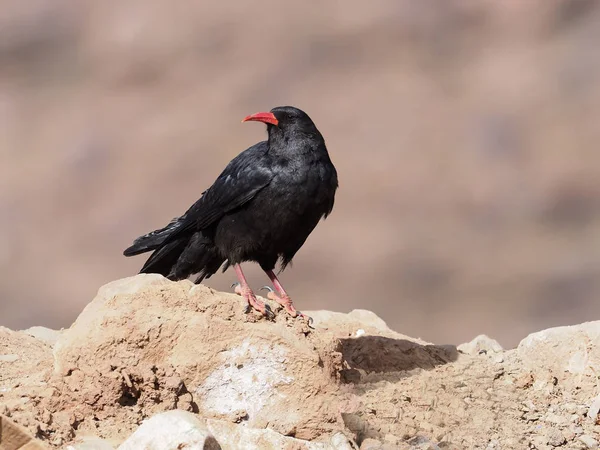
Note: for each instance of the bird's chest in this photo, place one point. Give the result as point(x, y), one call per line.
point(296, 194)
point(289, 204)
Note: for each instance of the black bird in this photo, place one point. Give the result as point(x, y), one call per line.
point(261, 208)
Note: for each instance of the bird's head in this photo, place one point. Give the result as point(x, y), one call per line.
point(284, 120)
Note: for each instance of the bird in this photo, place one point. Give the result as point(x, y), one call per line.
point(261, 208)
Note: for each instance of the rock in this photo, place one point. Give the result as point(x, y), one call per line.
point(90, 443)
point(46, 335)
point(369, 318)
point(15, 437)
point(146, 337)
point(232, 436)
point(24, 360)
point(203, 370)
point(539, 442)
point(574, 349)
point(370, 444)
point(594, 409)
point(568, 434)
point(174, 430)
point(353, 322)
point(171, 430)
point(339, 441)
point(480, 344)
point(588, 441)
point(422, 443)
point(555, 438)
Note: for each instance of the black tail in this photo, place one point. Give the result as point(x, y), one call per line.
point(154, 240)
point(185, 256)
point(164, 259)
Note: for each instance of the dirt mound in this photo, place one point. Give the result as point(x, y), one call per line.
point(146, 345)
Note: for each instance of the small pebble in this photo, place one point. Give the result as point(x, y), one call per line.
point(539, 441)
point(594, 409)
point(589, 441)
point(390, 438)
point(568, 434)
point(570, 408)
point(370, 444)
point(555, 437)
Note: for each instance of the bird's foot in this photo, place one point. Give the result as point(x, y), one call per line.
point(253, 302)
point(287, 304)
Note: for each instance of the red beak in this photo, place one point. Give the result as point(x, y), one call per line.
point(265, 117)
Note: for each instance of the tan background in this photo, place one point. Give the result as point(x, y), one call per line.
point(465, 134)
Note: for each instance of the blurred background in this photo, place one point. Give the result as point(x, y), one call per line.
point(465, 134)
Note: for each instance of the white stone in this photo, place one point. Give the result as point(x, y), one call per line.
point(172, 430)
point(573, 349)
point(46, 335)
point(238, 437)
point(589, 441)
point(9, 358)
point(479, 344)
point(594, 409)
point(246, 380)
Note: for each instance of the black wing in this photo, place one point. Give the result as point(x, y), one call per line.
point(245, 176)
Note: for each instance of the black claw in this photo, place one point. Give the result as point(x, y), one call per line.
point(235, 284)
point(269, 313)
point(266, 288)
point(308, 319)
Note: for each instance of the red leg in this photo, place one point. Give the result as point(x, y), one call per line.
point(244, 290)
point(280, 296)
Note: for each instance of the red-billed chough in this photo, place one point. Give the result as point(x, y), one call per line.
point(261, 208)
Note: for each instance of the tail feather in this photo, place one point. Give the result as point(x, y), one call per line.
point(183, 257)
point(177, 257)
point(200, 256)
point(165, 258)
point(153, 240)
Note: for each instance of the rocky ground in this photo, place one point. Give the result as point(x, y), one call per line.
point(146, 345)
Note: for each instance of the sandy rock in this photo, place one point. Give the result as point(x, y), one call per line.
point(339, 441)
point(355, 320)
point(594, 409)
point(146, 345)
point(589, 442)
point(555, 438)
point(23, 360)
point(237, 437)
point(480, 344)
point(574, 349)
point(172, 430)
point(370, 444)
point(46, 335)
point(153, 345)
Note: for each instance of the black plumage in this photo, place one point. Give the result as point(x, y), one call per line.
point(261, 208)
